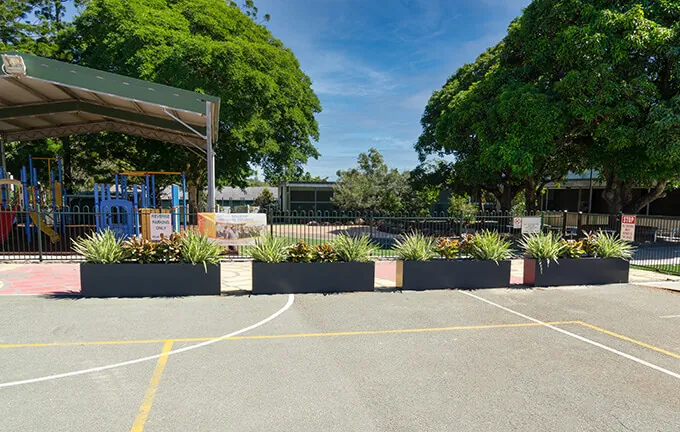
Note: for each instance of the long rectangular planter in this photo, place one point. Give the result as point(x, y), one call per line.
point(442, 274)
point(293, 278)
point(582, 271)
point(148, 280)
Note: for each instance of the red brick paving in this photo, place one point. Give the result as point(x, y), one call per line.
point(41, 279)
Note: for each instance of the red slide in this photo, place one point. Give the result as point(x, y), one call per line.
point(6, 222)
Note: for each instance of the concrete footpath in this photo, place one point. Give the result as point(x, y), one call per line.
point(64, 278)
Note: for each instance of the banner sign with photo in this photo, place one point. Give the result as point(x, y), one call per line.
point(233, 229)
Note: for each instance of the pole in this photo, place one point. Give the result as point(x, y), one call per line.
point(2, 149)
point(590, 197)
point(210, 156)
point(184, 199)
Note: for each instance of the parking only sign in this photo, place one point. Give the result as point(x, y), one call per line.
point(628, 227)
point(517, 222)
point(161, 223)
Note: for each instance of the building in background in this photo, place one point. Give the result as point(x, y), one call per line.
point(306, 196)
point(237, 199)
point(583, 192)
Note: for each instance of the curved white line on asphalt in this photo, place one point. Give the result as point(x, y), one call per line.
point(287, 306)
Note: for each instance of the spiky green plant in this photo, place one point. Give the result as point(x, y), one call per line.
point(199, 249)
point(609, 245)
point(489, 245)
point(414, 246)
point(354, 249)
point(269, 249)
point(100, 247)
point(542, 246)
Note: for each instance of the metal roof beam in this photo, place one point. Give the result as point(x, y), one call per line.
point(87, 107)
point(17, 82)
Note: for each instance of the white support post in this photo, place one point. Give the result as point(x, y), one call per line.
point(210, 156)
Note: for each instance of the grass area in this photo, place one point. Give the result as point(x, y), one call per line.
point(672, 269)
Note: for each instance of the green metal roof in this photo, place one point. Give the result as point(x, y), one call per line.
point(55, 98)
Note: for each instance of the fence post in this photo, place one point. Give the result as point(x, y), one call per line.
point(370, 224)
point(460, 223)
point(38, 236)
point(271, 221)
point(579, 229)
point(564, 223)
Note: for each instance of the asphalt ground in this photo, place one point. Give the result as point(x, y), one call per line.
point(569, 359)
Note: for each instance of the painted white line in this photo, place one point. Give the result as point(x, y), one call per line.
point(581, 338)
point(291, 298)
point(671, 316)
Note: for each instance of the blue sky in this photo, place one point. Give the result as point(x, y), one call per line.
point(375, 63)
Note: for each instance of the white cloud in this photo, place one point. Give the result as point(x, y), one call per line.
point(417, 101)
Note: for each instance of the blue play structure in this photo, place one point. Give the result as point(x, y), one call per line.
point(44, 206)
point(125, 208)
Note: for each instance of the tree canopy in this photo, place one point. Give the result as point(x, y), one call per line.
point(373, 186)
point(575, 85)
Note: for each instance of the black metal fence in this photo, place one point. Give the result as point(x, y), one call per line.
point(34, 235)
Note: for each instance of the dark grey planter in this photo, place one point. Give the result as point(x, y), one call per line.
point(582, 271)
point(301, 278)
point(148, 280)
point(442, 274)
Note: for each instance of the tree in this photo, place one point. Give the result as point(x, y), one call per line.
point(505, 135)
point(612, 69)
point(265, 200)
point(373, 186)
point(268, 108)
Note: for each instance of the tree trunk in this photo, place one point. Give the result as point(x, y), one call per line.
point(505, 196)
point(531, 196)
point(618, 195)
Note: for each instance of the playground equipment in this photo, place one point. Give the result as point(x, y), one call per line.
point(28, 194)
point(126, 208)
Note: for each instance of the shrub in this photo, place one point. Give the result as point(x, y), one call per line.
point(198, 249)
point(461, 205)
point(415, 246)
point(572, 249)
point(170, 249)
point(611, 246)
point(300, 252)
point(448, 248)
point(544, 247)
point(141, 250)
point(466, 245)
point(354, 249)
point(100, 248)
point(324, 253)
point(269, 249)
point(489, 245)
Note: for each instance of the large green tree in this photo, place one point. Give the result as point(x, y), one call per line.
point(504, 134)
point(575, 84)
point(613, 68)
point(268, 106)
point(374, 186)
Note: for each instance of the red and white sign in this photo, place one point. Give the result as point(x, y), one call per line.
point(628, 227)
point(517, 223)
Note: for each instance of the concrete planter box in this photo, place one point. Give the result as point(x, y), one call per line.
point(148, 280)
point(582, 271)
point(294, 278)
point(442, 274)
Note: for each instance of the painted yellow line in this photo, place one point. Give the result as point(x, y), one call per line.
point(147, 401)
point(631, 340)
point(286, 336)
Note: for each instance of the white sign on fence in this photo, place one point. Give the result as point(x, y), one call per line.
point(161, 223)
point(517, 222)
point(531, 225)
point(628, 227)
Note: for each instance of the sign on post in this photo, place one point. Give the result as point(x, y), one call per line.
point(233, 229)
point(160, 223)
point(531, 225)
point(516, 222)
point(628, 227)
